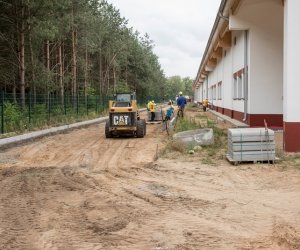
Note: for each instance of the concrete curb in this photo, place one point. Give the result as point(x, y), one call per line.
point(55, 130)
point(50, 131)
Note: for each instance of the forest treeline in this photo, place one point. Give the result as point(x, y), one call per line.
point(77, 47)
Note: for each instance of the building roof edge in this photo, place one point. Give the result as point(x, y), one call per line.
point(215, 26)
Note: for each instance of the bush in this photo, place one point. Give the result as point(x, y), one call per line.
point(13, 117)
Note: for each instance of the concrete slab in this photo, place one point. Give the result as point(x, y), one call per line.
point(198, 136)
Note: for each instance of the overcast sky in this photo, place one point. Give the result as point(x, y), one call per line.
point(179, 28)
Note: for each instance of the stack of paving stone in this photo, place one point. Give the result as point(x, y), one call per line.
point(251, 144)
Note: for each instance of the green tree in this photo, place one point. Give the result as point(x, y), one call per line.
point(72, 46)
point(174, 85)
point(188, 86)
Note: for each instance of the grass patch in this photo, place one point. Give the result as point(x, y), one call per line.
point(191, 107)
point(201, 116)
point(209, 154)
point(184, 124)
point(295, 157)
point(212, 153)
point(292, 160)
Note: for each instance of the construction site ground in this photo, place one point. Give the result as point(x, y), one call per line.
point(79, 190)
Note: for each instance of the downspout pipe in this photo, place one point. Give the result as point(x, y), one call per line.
point(245, 76)
point(202, 97)
point(206, 93)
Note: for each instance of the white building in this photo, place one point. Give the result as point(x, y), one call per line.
point(250, 69)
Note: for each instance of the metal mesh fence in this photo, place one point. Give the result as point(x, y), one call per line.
point(41, 111)
point(47, 110)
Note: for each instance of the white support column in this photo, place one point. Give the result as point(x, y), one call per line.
point(291, 81)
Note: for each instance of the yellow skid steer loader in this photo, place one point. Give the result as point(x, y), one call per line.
point(124, 118)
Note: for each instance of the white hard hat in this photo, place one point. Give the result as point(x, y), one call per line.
point(180, 93)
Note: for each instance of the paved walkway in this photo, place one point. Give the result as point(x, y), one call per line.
point(49, 131)
point(234, 122)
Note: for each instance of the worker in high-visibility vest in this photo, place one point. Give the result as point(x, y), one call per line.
point(151, 107)
point(148, 105)
point(205, 104)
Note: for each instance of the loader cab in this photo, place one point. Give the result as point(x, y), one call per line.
point(123, 99)
point(126, 97)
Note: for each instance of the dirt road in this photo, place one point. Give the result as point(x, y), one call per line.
point(82, 191)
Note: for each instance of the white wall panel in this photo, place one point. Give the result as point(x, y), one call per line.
point(237, 51)
point(227, 80)
point(265, 22)
point(291, 61)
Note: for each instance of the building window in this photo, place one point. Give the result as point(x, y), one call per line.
point(220, 91)
point(215, 92)
point(235, 88)
point(238, 84)
point(212, 92)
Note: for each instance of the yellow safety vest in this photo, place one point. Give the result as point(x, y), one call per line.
point(152, 107)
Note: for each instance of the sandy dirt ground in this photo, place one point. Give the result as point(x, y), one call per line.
point(81, 191)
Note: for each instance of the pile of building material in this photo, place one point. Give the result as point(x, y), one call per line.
point(196, 137)
point(251, 144)
point(158, 115)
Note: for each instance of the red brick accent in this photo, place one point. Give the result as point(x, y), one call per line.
point(253, 120)
point(237, 115)
point(273, 120)
point(228, 112)
point(291, 129)
point(213, 107)
point(292, 136)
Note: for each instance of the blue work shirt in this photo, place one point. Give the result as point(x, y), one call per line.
point(169, 112)
point(181, 101)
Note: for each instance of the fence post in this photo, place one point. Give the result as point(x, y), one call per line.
point(97, 99)
point(103, 103)
point(49, 106)
point(77, 104)
point(87, 105)
point(29, 109)
point(2, 112)
point(65, 105)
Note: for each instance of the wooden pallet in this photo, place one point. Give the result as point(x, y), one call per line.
point(236, 162)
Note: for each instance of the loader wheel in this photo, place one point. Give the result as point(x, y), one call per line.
point(107, 132)
point(140, 131)
point(145, 126)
